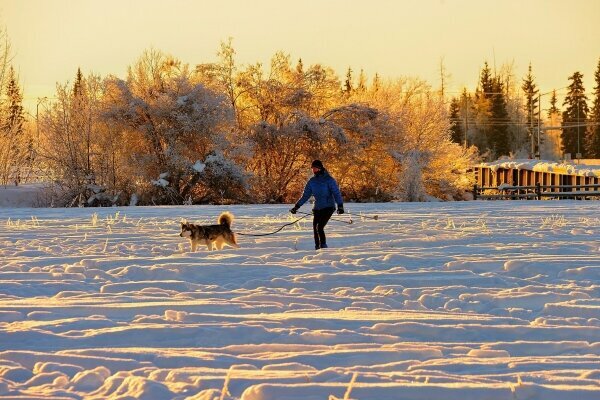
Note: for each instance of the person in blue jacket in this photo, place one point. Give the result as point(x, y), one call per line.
point(327, 194)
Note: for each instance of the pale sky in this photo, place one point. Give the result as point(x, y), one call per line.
point(51, 38)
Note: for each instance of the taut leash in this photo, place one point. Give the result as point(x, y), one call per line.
point(349, 222)
point(274, 232)
point(332, 218)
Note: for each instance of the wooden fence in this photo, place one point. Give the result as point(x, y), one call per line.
point(536, 192)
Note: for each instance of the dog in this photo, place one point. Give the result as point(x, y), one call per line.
point(210, 235)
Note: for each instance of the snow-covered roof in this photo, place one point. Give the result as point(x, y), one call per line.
point(568, 168)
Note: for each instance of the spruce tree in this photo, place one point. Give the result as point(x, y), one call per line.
point(492, 113)
point(486, 81)
point(481, 115)
point(81, 117)
point(553, 108)
point(376, 82)
point(574, 114)
point(593, 129)
point(13, 155)
point(348, 82)
point(362, 82)
point(531, 107)
point(498, 132)
point(300, 66)
point(15, 115)
point(78, 85)
point(456, 131)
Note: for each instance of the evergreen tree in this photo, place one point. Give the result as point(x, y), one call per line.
point(14, 147)
point(80, 115)
point(15, 115)
point(531, 107)
point(78, 85)
point(593, 130)
point(362, 82)
point(300, 66)
point(498, 132)
point(457, 135)
point(486, 81)
point(575, 114)
point(553, 108)
point(481, 135)
point(376, 82)
point(348, 82)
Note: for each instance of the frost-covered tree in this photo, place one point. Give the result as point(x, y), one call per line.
point(224, 77)
point(418, 142)
point(412, 187)
point(170, 121)
point(73, 144)
point(295, 115)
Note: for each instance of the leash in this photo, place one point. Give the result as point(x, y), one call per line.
point(332, 218)
point(350, 222)
point(374, 217)
point(274, 232)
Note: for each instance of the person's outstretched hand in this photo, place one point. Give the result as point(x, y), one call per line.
point(340, 210)
point(293, 210)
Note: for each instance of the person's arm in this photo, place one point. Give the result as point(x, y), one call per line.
point(305, 196)
point(335, 190)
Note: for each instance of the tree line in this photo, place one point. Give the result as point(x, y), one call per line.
point(172, 133)
point(503, 118)
point(221, 132)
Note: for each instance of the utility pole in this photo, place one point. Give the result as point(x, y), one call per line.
point(539, 130)
point(531, 125)
point(578, 155)
point(538, 153)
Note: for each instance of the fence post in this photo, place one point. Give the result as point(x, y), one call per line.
point(538, 190)
point(475, 192)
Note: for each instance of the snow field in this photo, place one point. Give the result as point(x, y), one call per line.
point(469, 300)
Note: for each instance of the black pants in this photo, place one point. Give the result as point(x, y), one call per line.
point(320, 219)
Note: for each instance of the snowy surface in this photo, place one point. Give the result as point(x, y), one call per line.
point(464, 300)
point(570, 168)
point(27, 195)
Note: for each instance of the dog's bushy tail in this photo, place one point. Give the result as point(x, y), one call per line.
point(226, 219)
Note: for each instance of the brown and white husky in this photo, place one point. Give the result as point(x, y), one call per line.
point(210, 235)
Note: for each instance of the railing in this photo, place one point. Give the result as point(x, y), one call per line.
point(536, 192)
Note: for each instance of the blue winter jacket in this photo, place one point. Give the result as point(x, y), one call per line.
point(325, 191)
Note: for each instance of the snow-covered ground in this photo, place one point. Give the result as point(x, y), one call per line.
point(463, 300)
point(26, 195)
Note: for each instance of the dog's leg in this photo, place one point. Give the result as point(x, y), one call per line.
point(194, 246)
point(219, 243)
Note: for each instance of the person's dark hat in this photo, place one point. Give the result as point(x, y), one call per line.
point(317, 164)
